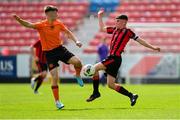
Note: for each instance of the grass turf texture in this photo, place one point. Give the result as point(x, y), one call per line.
point(155, 101)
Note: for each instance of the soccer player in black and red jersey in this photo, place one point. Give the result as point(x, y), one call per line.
point(41, 63)
point(120, 37)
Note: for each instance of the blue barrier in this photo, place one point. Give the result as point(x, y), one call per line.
point(8, 66)
point(108, 5)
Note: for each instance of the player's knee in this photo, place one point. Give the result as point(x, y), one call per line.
point(96, 69)
point(96, 74)
point(54, 83)
point(77, 62)
point(110, 85)
point(55, 77)
point(99, 66)
point(43, 74)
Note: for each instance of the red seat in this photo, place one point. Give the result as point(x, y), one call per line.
point(90, 50)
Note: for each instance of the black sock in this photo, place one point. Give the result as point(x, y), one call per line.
point(125, 92)
point(39, 82)
point(96, 86)
point(36, 78)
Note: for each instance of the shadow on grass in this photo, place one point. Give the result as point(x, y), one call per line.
point(87, 109)
point(84, 109)
point(135, 108)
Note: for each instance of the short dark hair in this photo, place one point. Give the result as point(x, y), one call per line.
point(50, 8)
point(123, 17)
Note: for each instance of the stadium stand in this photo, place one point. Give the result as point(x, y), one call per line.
point(149, 11)
point(148, 64)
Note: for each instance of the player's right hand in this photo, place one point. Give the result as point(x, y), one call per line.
point(101, 12)
point(79, 44)
point(157, 49)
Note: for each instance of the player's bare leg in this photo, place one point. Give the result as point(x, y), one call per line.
point(96, 94)
point(111, 84)
point(77, 66)
point(55, 88)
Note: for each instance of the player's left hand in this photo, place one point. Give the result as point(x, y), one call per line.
point(157, 49)
point(78, 43)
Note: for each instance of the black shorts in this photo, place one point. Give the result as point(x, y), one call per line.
point(42, 67)
point(59, 53)
point(112, 64)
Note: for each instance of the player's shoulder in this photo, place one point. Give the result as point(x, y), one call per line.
point(41, 22)
point(58, 21)
point(60, 24)
point(44, 21)
point(131, 30)
point(128, 29)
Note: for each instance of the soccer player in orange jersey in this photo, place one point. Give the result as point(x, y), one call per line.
point(49, 31)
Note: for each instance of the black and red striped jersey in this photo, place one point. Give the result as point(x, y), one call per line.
point(120, 38)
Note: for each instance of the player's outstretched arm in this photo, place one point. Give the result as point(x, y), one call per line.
point(100, 20)
point(144, 43)
point(71, 36)
point(24, 22)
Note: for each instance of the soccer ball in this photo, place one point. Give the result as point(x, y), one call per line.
point(88, 70)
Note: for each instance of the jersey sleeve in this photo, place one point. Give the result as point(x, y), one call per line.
point(110, 30)
point(62, 26)
point(38, 25)
point(133, 35)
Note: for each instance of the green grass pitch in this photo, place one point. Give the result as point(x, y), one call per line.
point(155, 102)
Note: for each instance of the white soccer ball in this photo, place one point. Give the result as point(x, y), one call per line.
point(88, 70)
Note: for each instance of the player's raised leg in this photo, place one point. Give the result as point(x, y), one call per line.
point(77, 66)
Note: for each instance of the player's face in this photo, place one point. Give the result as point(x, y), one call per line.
point(120, 23)
point(52, 15)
